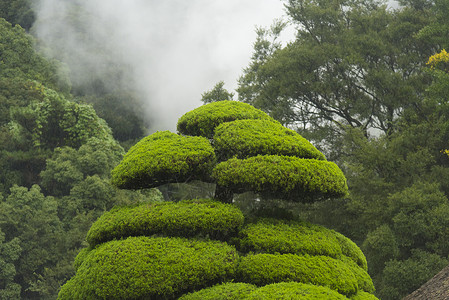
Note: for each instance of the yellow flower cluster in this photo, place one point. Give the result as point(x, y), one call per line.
point(438, 59)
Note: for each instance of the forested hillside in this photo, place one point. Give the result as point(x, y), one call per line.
point(368, 85)
point(56, 155)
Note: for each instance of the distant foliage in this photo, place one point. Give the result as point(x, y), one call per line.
point(144, 267)
point(203, 120)
point(18, 59)
point(218, 93)
point(187, 218)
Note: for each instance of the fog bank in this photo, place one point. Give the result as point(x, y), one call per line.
point(169, 52)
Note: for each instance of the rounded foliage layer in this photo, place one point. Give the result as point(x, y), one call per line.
point(203, 120)
point(164, 157)
point(186, 218)
point(246, 138)
point(225, 291)
point(361, 295)
point(262, 269)
point(287, 177)
point(146, 268)
point(294, 290)
point(278, 236)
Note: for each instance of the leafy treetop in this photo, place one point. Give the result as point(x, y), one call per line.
point(256, 153)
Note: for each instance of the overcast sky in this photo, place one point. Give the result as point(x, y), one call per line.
point(176, 49)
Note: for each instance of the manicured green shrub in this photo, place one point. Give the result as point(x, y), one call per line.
point(279, 236)
point(351, 250)
point(147, 268)
point(225, 291)
point(262, 269)
point(293, 291)
point(164, 157)
point(203, 120)
point(364, 281)
point(361, 295)
point(204, 217)
point(81, 256)
point(246, 138)
point(292, 178)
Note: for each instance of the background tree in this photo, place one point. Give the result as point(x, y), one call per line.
point(218, 93)
point(167, 249)
point(353, 64)
point(18, 12)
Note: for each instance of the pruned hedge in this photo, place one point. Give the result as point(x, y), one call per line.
point(292, 178)
point(147, 268)
point(225, 291)
point(262, 269)
point(204, 217)
point(203, 120)
point(164, 157)
point(279, 236)
point(246, 138)
point(294, 290)
point(361, 295)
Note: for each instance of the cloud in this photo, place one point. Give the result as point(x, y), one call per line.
point(169, 52)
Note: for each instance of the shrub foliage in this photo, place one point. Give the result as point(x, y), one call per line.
point(286, 177)
point(262, 269)
point(203, 120)
point(246, 138)
point(278, 236)
point(186, 218)
point(144, 267)
point(164, 157)
point(294, 290)
point(226, 291)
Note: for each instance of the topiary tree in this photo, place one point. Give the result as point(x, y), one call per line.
point(203, 248)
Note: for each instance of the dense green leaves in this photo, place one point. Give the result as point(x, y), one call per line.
point(226, 291)
point(143, 267)
point(293, 178)
point(218, 93)
point(277, 236)
point(246, 138)
point(294, 290)
point(18, 58)
point(164, 157)
point(203, 120)
point(186, 219)
point(352, 64)
point(262, 269)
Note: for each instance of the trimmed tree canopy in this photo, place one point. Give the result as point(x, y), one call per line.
point(246, 138)
point(150, 268)
point(258, 154)
point(226, 291)
point(203, 120)
point(278, 236)
point(294, 290)
point(164, 157)
point(262, 269)
point(186, 218)
point(188, 249)
point(287, 177)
